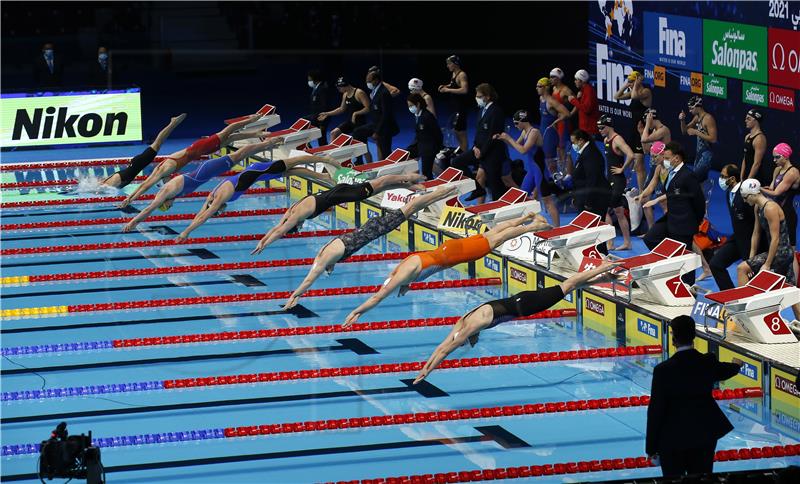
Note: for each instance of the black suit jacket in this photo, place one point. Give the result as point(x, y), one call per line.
point(682, 413)
point(427, 134)
point(382, 113)
point(686, 203)
point(319, 99)
point(492, 123)
point(99, 76)
point(42, 75)
point(592, 191)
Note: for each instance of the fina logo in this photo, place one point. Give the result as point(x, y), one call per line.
point(491, 264)
point(746, 369)
point(372, 213)
point(428, 237)
point(670, 41)
point(611, 75)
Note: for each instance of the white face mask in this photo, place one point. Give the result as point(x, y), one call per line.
point(576, 147)
point(723, 183)
point(102, 57)
point(370, 86)
point(412, 109)
point(481, 101)
point(311, 84)
point(667, 164)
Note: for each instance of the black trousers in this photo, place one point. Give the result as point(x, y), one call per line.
point(659, 232)
point(492, 165)
point(322, 125)
point(677, 463)
point(383, 143)
point(723, 258)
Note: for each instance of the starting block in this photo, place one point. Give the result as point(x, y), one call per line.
point(756, 307)
point(343, 148)
point(269, 118)
point(572, 242)
point(513, 204)
point(658, 274)
point(397, 163)
point(449, 177)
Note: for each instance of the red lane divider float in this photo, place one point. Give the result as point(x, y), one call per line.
point(72, 181)
point(98, 200)
point(48, 165)
point(466, 414)
point(521, 472)
point(311, 330)
point(222, 239)
point(232, 266)
point(152, 218)
point(412, 366)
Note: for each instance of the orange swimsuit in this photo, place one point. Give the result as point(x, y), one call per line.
point(451, 253)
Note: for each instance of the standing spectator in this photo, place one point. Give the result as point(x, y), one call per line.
point(394, 91)
point(641, 98)
point(683, 420)
point(754, 163)
point(704, 127)
point(48, 69)
point(562, 93)
point(654, 130)
point(686, 204)
point(318, 104)
point(428, 135)
point(459, 96)
point(415, 86)
point(586, 103)
point(552, 113)
point(619, 157)
point(737, 247)
point(355, 104)
point(785, 184)
point(780, 254)
point(101, 74)
point(487, 151)
point(382, 125)
point(590, 186)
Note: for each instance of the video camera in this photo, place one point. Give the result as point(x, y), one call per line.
point(72, 457)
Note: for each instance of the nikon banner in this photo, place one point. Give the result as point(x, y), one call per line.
point(458, 221)
point(65, 119)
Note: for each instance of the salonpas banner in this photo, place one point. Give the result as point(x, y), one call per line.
point(349, 176)
point(70, 119)
point(735, 50)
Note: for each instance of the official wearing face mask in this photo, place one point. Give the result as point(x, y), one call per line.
point(686, 204)
point(382, 125)
point(427, 134)
point(318, 104)
point(101, 70)
point(48, 69)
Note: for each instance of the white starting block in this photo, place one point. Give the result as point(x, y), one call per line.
point(269, 118)
point(449, 177)
point(659, 273)
point(756, 307)
point(397, 163)
point(574, 241)
point(344, 148)
point(513, 204)
point(298, 134)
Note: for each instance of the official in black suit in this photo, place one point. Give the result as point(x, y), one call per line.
point(487, 151)
point(683, 420)
point(686, 204)
point(737, 247)
point(427, 134)
point(591, 189)
point(382, 125)
point(318, 104)
point(100, 69)
point(48, 70)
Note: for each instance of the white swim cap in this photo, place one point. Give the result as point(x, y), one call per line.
point(582, 75)
point(751, 186)
point(415, 84)
point(557, 72)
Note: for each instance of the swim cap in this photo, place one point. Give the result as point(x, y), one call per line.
point(374, 69)
point(582, 75)
point(633, 75)
point(415, 84)
point(342, 82)
point(557, 72)
point(751, 186)
point(455, 60)
point(783, 149)
point(521, 116)
point(695, 101)
point(657, 148)
point(545, 81)
point(605, 120)
point(650, 110)
point(755, 114)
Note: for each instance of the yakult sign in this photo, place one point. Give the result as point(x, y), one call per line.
point(784, 58)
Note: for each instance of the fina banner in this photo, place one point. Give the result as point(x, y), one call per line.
point(65, 119)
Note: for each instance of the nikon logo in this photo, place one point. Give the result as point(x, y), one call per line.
point(49, 123)
point(460, 220)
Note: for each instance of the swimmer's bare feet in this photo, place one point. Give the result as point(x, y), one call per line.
point(177, 119)
point(704, 275)
point(621, 247)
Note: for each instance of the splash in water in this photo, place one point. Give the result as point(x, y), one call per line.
point(91, 185)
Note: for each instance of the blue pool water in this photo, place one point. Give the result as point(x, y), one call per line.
point(419, 448)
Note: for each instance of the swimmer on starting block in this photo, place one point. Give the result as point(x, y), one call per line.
point(422, 265)
point(348, 244)
point(314, 205)
point(235, 186)
point(122, 178)
point(196, 150)
point(185, 184)
point(492, 313)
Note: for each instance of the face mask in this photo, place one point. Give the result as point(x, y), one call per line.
point(103, 58)
point(370, 86)
point(667, 164)
point(412, 109)
point(311, 84)
point(576, 147)
point(481, 102)
point(723, 183)
point(48, 53)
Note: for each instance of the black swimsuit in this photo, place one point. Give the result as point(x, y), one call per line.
point(341, 193)
point(138, 163)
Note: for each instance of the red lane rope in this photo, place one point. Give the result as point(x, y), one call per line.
point(78, 201)
point(412, 366)
point(521, 472)
point(162, 243)
point(72, 181)
point(46, 165)
point(232, 266)
point(263, 296)
point(310, 330)
point(153, 218)
point(467, 414)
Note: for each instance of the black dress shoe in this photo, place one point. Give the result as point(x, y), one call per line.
point(477, 193)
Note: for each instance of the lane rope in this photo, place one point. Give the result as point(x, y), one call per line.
point(73, 181)
point(51, 165)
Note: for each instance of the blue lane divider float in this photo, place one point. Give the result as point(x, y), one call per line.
point(83, 391)
point(57, 348)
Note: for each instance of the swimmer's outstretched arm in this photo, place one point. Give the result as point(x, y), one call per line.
point(163, 169)
point(326, 257)
point(291, 218)
point(402, 275)
point(167, 192)
point(213, 203)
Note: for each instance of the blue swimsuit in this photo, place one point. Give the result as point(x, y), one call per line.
point(208, 170)
point(261, 171)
